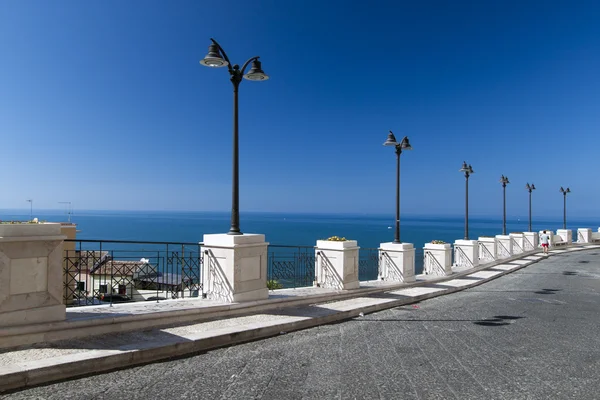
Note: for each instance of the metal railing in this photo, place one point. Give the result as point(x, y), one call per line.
point(461, 259)
point(117, 271)
point(368, 264)
point(290, 266)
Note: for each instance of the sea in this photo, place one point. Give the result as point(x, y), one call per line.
point(290, 229)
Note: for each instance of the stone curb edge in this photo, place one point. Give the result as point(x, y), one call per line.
point(34, 377)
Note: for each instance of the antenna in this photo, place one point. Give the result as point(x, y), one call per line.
point(68, 209)
point(30, 201)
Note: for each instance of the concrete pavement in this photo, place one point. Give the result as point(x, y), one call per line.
point(38, 364)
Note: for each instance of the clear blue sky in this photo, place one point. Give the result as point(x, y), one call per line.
point(105, 104)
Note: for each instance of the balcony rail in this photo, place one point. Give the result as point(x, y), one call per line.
point(117, 271)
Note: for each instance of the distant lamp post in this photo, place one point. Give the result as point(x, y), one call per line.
point(30, 201)
point(403, 145)
point(468, 170)
point(530, 188)
point(504, 181)
point(564, 192)
point(215, 58)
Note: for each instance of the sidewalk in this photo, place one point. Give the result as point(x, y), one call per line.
point(224, 324)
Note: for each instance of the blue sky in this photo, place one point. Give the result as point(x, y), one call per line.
point(104, 104)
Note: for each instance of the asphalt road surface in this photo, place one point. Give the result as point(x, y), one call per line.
point(533, 334)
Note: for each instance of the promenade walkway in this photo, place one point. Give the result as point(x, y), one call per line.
point(510, 338)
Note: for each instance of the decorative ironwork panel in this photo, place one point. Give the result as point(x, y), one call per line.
point(217, 287)
point(331, 280)
point(368, 264)
point(528, 246)
point(393, 272)
point(503, 251)
point(110, 271)
point(516, 247)
point(291, 266)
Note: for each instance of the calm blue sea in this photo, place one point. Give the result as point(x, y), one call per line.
point(282, 228)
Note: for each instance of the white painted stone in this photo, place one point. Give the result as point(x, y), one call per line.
point(566, 235)
point(31, 274)
point(530, 241)
point(235, 267)
point(488, 249)
point(584, 235)
point(336, 265)
point(397, 262)
point(466, 253)
point(505, 246)
point(517, 242)
point(437, 259)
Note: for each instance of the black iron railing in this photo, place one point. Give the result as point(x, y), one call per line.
point(368, 264)
point(290, 266)
point(116, 271)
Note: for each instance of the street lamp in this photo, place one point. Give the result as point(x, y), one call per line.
point(403, 145)
point(530, 188)
point(468, 170)
point(504, 181)
point(30, 201)
point(215, 58)
point(564, 192)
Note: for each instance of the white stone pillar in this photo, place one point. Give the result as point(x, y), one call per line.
point(566, 235)
point(517, 242)
point(336, 265)
point(397, 262)
point(584, 235)
point(488, 249)
point(466, 253)
point(530, 241)
point(235, 267)
point(505, 246)
point(437, 259)
point(31, 276)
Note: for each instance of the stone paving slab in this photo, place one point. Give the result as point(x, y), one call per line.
point(46, 362)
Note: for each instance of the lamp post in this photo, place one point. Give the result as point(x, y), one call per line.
point(68, 208)
point(216, 58)
point(468, 170)
point(530, 188)
point(403, 145)
point(504, 181)
point(564, 192)
point(30, 201)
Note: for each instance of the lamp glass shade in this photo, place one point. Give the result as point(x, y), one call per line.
point(213, 58)
point(256, 73)
point(391, 140)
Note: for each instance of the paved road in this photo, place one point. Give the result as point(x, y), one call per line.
point(533, 334)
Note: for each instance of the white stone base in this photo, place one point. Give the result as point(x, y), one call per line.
point(437, 259)
point(397, 262)
point(235, 267)
point(566, 235)
point(584, 235)
point(31, 276)
point(488, 249)
point(505, 246)
point(336, 265)
point(517, 242)
point(530, 241)
point(466, 253)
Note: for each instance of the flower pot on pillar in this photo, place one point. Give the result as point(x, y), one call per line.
point(397, 262)
point(566, 235)
point(530, 241)
point(336, 265)
point(235, 267)
point(488, 249)
point(584, 235)
point(505, 246)
point(437, 259)
point(466, 253)
point(517, 242)
point(31, 276)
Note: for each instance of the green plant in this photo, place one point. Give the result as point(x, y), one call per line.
point(437, 242)
point(336, 239)
point(272, 284)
